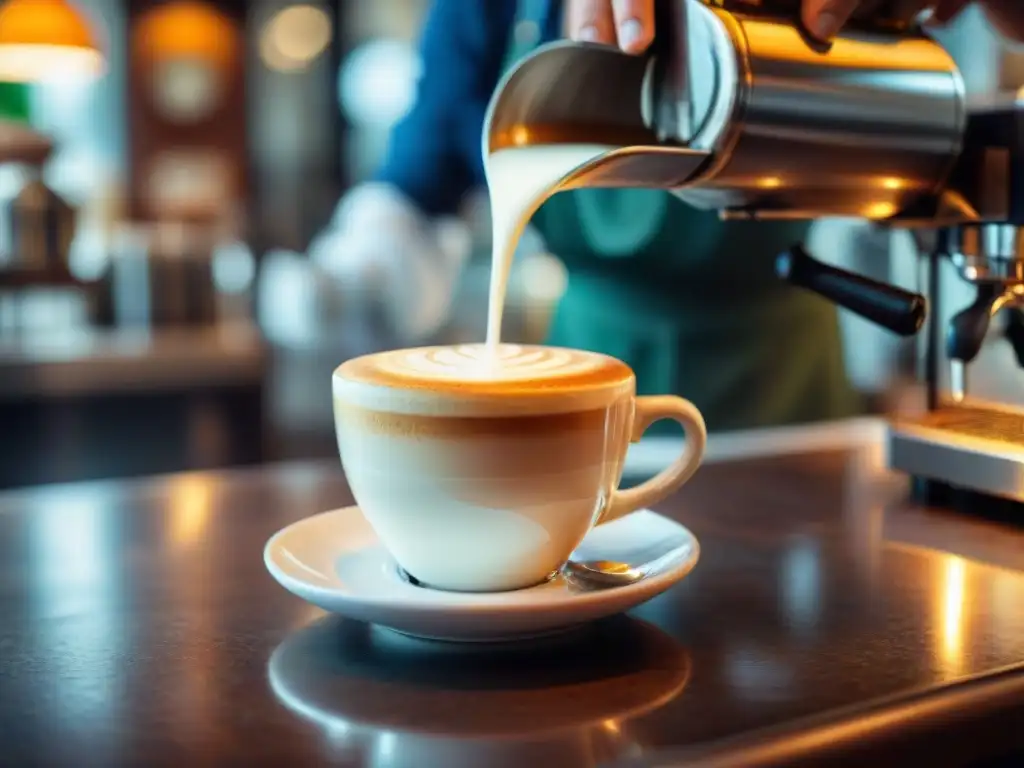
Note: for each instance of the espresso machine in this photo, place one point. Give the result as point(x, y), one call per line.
point(737, 108)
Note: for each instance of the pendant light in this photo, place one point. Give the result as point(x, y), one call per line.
point(47, 40)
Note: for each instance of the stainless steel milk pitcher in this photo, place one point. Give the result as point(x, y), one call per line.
point(736, 108)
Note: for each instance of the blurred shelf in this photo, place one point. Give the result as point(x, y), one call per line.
point(58, 277)
point(91, 362)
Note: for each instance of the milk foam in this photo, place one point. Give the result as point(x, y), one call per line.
point(478, 362)
point(477, 380)
point(519, 180)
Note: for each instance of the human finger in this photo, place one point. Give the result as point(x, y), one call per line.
point(634, 24)
point(824, 18)
point(591, 21)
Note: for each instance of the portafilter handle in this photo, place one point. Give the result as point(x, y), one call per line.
point(892, 308)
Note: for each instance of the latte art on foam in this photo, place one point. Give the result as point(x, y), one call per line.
point(508, 362)
point(477, 379)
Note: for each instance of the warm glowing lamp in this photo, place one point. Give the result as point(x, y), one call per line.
point(186, 30)
point(46, 40)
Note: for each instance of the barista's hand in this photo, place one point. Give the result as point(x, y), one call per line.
point(382, 251)
point(626, 23)
point(824, 18)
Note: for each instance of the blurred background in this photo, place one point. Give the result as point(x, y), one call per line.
point(159, 192)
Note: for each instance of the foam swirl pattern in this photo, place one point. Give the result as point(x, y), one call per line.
point(512, 378)
point(507, 363)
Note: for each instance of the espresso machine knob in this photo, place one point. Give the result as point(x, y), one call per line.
point(892, 308)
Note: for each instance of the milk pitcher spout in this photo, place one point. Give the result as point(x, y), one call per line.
point(579, 93)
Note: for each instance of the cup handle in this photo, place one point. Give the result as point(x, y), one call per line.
point(670, 479)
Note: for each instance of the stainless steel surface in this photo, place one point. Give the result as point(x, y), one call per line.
point(587, 94)
point(958, 380)
point(647, 560)
point(689, 92)
point(601, 574)
point(162, 277)
point(871, 128)
point(866, 130)
point(604, 574)
point(990, 305)
point(978, 447)
point(989, 253)
point(41, 227)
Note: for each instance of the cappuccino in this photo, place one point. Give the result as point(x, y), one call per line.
point(484, 472)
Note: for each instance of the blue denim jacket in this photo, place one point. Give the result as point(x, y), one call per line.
point(435, 154)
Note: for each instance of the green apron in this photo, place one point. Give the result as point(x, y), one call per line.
point(693, 305)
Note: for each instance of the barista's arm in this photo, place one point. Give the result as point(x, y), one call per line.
point(434, 156)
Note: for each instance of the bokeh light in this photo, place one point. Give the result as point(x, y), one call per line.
point(377, 86)
point(295, 37)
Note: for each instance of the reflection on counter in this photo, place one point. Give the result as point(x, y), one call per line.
point(952, 612)
point(191, 504)
point(78, 595)
point(569, 701)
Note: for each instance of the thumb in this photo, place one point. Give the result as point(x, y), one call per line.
point(824, 18)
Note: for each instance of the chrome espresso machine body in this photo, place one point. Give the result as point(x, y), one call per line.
point(736, 108)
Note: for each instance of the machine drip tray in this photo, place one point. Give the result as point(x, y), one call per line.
point(977, 448)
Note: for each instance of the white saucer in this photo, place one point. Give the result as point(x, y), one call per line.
point(335, 561)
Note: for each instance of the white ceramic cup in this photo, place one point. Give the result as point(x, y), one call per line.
point(481, 476)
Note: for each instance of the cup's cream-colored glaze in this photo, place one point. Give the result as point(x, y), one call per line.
point(489, 483)
point(483, 504)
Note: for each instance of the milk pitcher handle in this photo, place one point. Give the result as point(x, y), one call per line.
point(672, 478)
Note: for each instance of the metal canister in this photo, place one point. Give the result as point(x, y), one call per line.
point(865, 126)
point(42, 226)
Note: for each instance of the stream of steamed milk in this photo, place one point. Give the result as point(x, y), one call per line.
point(519, 180)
